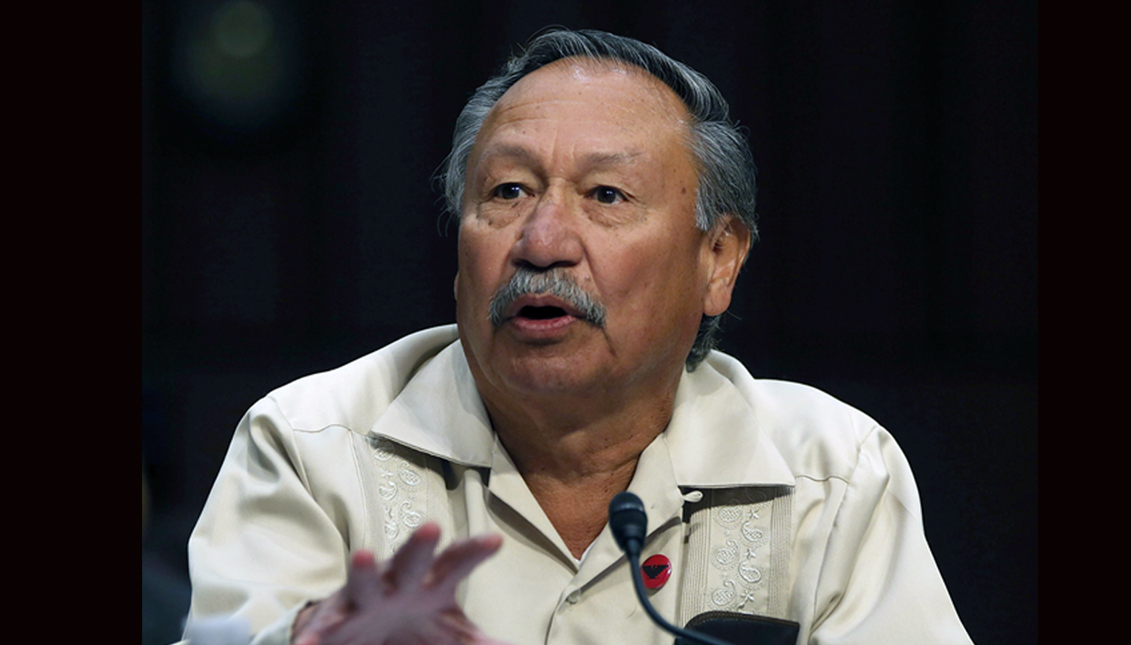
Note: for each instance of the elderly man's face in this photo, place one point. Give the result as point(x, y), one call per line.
point(583, 170)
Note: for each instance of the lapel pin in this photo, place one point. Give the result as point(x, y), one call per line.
point(656, 569)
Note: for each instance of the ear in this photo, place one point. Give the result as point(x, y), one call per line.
point(455, 287)
point(729, 243)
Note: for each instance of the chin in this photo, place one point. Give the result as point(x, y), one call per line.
point(540, 375)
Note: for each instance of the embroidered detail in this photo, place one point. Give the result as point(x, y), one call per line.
point(743, 536)
point(731, 592)
point(409, 476)
point(746, 596)
point(725, 556)
point(409, 517)
point(748, 572)
point(399, 481)
point(391, 529)
point(750, 533)
point(724, 596)
point(388, 489)
point(737, 552)
point(729, 516)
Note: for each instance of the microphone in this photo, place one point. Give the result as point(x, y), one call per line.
point(629, 525)
point(628, 522)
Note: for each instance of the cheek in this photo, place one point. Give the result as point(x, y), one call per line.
point(481, 260)
point(637, 278)
point(653, 285)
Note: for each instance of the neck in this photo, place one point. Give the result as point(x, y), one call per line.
point(575, 455)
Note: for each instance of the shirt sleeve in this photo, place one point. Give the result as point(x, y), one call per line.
point(263, 547)
point(880, 583)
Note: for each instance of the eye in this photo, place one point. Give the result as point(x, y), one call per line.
point(507, 191)
point(608, 195)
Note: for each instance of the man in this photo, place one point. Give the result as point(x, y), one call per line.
point(606, 208)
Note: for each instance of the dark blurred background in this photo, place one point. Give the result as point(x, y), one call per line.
point(290, 223)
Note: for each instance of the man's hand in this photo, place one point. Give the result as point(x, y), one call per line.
point(408, 600)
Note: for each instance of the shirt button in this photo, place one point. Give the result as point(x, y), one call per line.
point(573, 597)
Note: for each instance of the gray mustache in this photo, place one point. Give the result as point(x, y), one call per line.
point(554, 282)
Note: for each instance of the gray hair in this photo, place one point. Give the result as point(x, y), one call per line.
point(722, 155)
point(556, 282)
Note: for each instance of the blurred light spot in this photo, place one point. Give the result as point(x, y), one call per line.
point(242, 29)
point(236, 59)
point(237, 63)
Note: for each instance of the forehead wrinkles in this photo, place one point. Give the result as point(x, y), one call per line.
point(588, 160)
point(608, 93)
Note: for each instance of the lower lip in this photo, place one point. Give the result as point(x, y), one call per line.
point(541, 326)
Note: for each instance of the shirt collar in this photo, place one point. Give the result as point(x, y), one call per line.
point(439, 412)
point(714, 439)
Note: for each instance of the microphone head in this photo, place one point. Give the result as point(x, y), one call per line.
point(628, 522)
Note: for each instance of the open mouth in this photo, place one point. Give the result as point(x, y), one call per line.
point(542, 313)
point(543, 317)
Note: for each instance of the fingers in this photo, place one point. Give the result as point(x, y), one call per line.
point(308, 638)
point(415, 565)
point(319, 619)
point(461, 557)
point(362, 581)
point(413, 560)
point(409, 595)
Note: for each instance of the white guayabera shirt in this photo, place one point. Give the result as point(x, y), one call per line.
point(771, 500)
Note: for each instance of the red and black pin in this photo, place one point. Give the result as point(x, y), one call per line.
point(656, 569)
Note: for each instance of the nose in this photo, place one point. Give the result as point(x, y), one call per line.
point(549, 237)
